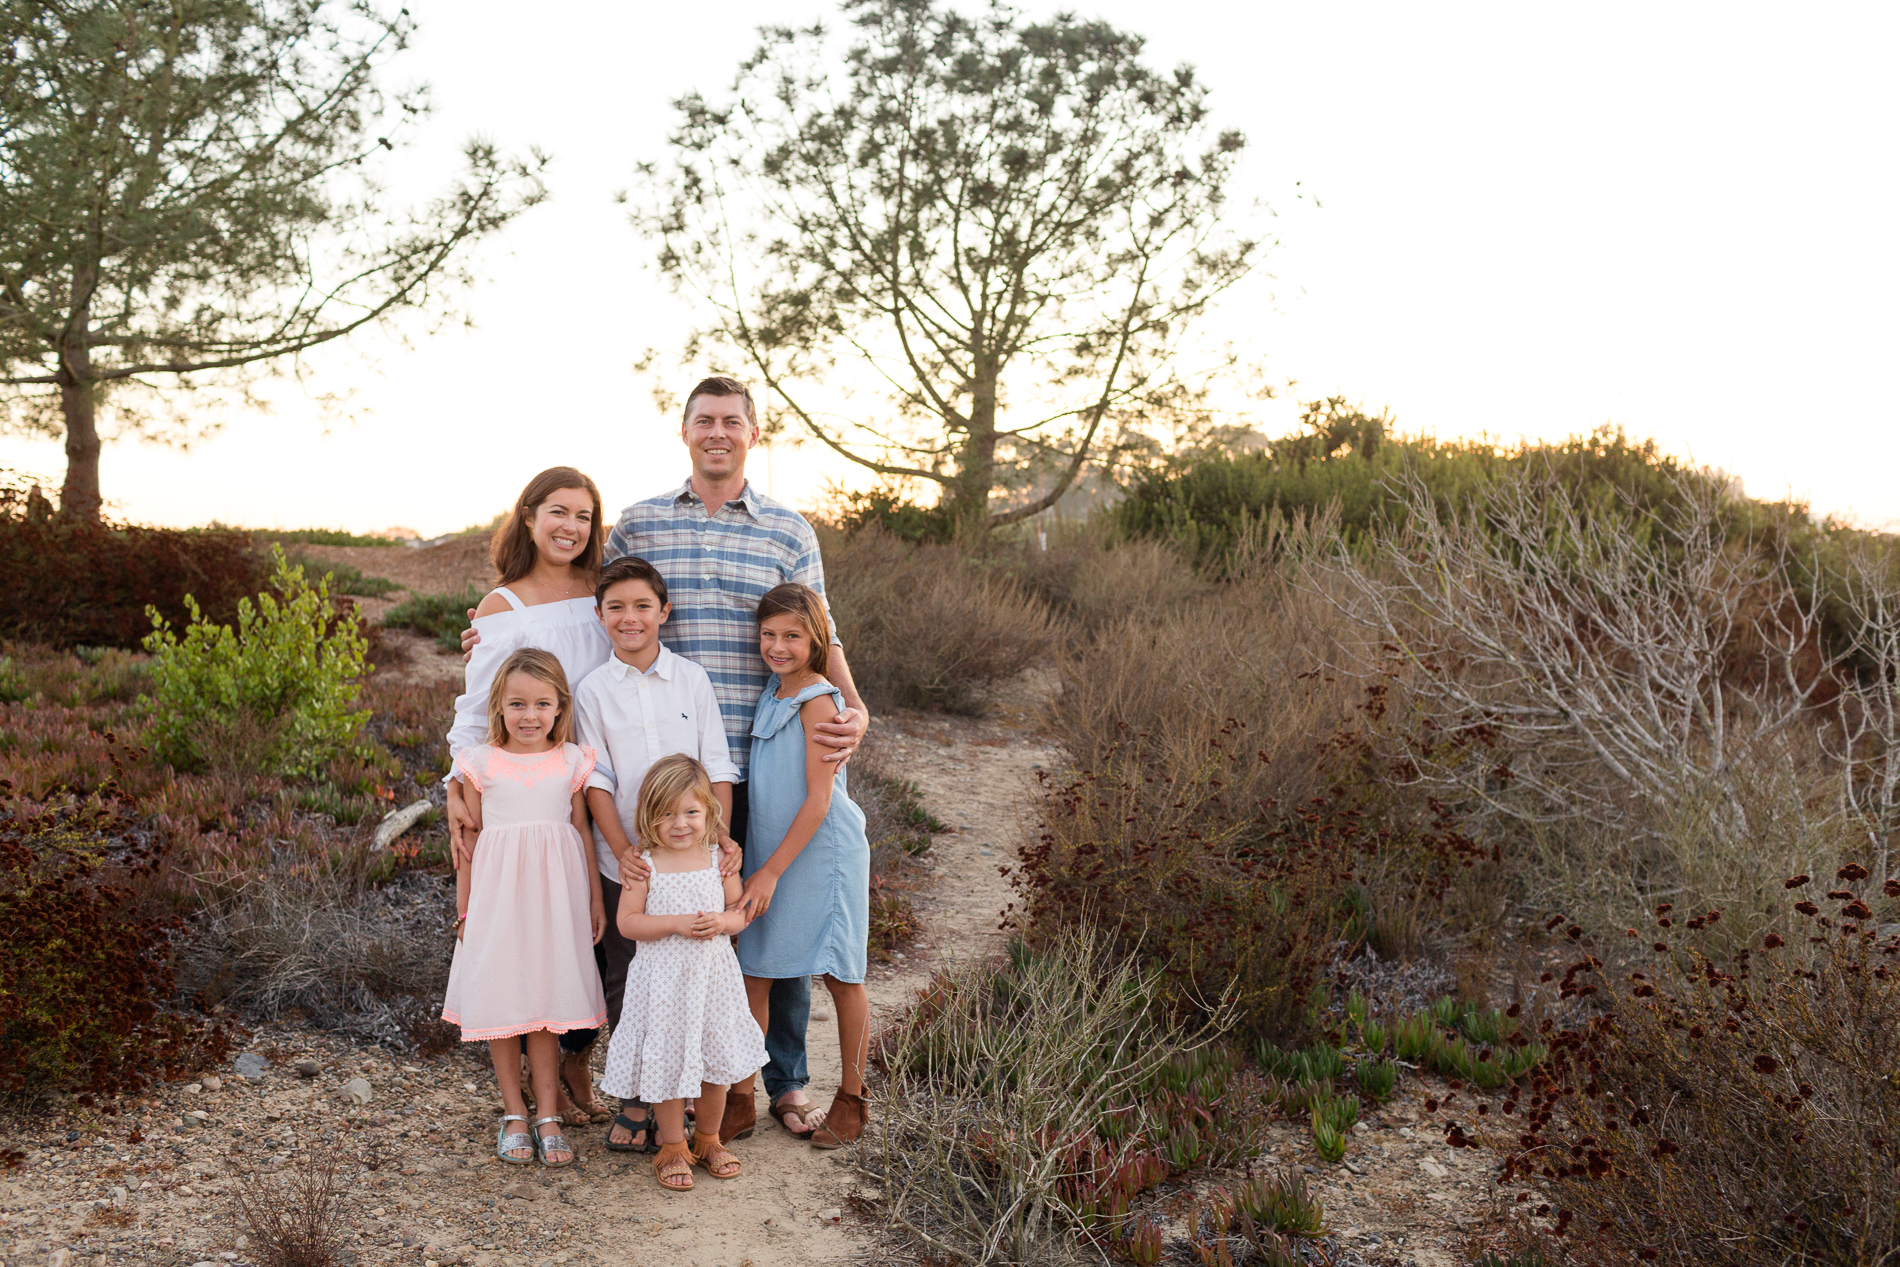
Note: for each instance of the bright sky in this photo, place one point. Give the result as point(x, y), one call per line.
point(1497, 219)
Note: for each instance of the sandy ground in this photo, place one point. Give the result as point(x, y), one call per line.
point(157, 1189)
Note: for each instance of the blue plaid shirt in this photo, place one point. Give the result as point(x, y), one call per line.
point(717, 567)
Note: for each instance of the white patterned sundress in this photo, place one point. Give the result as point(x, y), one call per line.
point(685, 1019)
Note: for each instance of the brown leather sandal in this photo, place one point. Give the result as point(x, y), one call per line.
point(844, 1122)
point(715, 1157)
point(673, 1168)
point(813, 1115)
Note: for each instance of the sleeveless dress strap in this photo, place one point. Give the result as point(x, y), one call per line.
point(509, 594)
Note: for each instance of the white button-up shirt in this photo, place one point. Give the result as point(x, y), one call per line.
point(632, 719)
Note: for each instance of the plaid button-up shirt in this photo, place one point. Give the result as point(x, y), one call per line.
point(717, 567)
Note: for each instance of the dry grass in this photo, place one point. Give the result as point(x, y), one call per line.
point(1030, 1101)
point(1741, 1110)
point(924, 627)
point(369, 960)
point(294, 1219)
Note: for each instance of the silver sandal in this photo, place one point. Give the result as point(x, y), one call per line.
point(556, 1143)
point(506, 1143)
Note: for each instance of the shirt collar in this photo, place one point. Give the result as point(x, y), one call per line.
point(747, 498)
point(662, 666)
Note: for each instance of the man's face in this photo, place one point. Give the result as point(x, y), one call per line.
point(718, 434)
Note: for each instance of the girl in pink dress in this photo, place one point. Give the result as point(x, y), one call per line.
point(529, 904)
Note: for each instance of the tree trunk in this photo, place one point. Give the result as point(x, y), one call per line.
point(976, 463)
point(79, 498)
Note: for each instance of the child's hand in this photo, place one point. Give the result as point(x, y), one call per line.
point(709, 924)
point(599, 916)
point(461, 925)
point(731, 857)
point(757, 894)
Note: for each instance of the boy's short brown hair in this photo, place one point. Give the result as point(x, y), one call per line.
point(629, 568)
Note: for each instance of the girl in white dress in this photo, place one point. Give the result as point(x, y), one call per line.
point(685, 1029)
point(529, 905)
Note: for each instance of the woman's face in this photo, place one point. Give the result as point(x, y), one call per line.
point(562, 524)
point(784, 643)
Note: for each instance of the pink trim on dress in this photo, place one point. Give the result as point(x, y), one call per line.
point(515, 1031)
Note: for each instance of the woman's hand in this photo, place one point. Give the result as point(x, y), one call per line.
point(731, 857)
point(757, 894)
point(465, 824)
point(634, 869)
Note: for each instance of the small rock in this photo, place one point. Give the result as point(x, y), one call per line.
point(60, 1258)
point(1433, 1169)
point(252, 1065)
point(358, 1090)
point(198, 1115)
point(214, 1083)
point(819, 1014)
point(184, 1190)
point(193, 1088)
point(118, 1196)
point(1355, 1167)
point(411, 1069)
point(520, 1192)
point(830, 1215)
point(308, 1068)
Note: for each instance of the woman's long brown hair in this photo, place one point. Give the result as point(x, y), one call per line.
point(513, 547)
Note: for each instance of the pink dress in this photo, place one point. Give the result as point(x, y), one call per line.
point(526, 958)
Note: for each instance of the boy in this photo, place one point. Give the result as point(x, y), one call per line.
point(643, 704)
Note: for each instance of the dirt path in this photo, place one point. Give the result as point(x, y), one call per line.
point(157, 1189)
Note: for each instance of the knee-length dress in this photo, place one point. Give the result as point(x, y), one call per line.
point(526, 958)
point(685, 1019)
point(820, 917)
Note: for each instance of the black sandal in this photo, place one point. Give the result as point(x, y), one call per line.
point(643, 1127)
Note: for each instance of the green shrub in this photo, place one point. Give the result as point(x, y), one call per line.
point(85, 975)
point(1377, 1078)
point(278, 691)
point(439, 616)
point(1207, 505)
point(347, 578)
point(13, 685)
point(319, 537)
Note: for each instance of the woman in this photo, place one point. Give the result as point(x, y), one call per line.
point(546, 558)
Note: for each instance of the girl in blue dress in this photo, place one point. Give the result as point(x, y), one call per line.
point(807, 867)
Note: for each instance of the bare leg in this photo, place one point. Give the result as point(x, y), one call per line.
point(854, 1021)
point(758, 997)
point(672, 1118)
point(712, 1104)
point(505, 1053)
point(544, 1067)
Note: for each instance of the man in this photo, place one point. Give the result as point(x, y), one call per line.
point(721, 545)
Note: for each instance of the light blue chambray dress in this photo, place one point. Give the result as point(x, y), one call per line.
point(820, 917)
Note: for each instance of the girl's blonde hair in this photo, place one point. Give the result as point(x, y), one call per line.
point(805, 603)
point(542, 667)
point(667, 780)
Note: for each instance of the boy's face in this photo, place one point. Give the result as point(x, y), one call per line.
point(632, 614)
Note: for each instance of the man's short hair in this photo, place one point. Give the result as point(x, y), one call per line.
point(720, 385)
point(629, 568)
